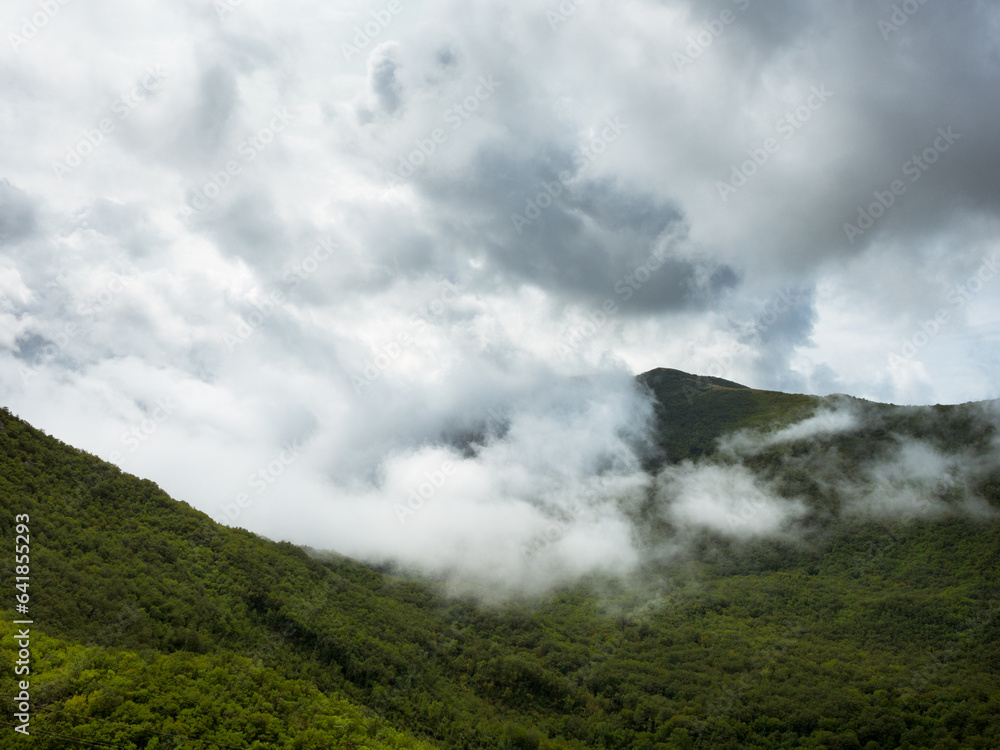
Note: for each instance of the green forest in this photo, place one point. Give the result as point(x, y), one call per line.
point(155, 627)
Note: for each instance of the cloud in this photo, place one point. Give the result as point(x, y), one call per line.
point(490, 112)
point(382, 67)
point(17, 213)
point(915, 481)
point(727, 499)
point(829, 419)
point(525, 495)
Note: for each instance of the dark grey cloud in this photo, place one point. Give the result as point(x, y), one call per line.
point(784, 325)
point(206, 130)
point(542, 224)
point(382, 69)
point(17, 213)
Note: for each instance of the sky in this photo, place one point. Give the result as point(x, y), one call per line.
point(287, 260)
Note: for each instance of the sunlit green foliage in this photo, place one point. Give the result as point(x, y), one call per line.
point(97, 695)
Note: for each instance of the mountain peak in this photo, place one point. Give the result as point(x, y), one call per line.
point(693, 411)
point(667, 376)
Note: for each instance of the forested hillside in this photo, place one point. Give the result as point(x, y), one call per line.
point(156, 627)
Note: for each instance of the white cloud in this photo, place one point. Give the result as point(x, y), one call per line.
point(828, 420)
point(195, 273)
point(728, 499)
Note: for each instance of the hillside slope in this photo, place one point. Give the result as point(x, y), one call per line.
point(692, 411)
point(860, 633)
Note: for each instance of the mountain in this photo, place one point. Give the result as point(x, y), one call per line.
point(846, 599)
point(692, 412)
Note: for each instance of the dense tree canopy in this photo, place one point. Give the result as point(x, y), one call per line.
point(156, 627)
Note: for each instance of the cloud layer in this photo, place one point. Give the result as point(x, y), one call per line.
point(227, 229)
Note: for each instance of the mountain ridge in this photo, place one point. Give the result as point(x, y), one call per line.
point(735, 643)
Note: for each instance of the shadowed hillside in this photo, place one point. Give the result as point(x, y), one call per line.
point(694, 411)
